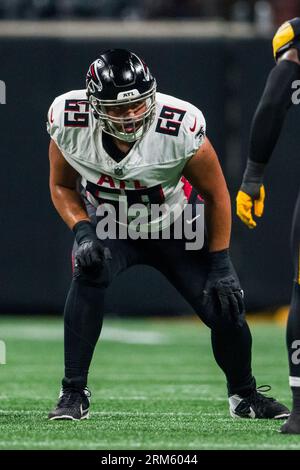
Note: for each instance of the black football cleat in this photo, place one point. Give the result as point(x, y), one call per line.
point(257, 406)
point(292, 425)
point(73, 404)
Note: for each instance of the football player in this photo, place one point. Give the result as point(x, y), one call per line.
point(126, 141)
point(266, 126)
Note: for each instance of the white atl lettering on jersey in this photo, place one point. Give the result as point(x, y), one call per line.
point(154, 165)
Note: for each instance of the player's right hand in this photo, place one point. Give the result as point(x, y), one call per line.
point(250, 200)
point(90, 254)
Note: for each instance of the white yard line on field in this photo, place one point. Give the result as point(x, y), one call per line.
point(120, 413)
point(100, 445)
point(55, 332)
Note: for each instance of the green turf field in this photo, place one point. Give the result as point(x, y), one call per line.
point(154, 386)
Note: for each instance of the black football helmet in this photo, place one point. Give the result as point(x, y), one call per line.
point(119, 77)
point(286, 37)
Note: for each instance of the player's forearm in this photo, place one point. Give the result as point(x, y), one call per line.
point(271, 111)
point(204, 172)
point(69, 205)
point(268, 122)
point(218, 221)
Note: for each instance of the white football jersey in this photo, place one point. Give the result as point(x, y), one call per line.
point(150, 173)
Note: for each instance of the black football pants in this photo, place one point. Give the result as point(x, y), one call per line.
point(187, 271)
point(293, 326)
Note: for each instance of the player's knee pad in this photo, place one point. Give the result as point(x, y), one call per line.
point(208, 320)
point(220, 323)
point(214, 320)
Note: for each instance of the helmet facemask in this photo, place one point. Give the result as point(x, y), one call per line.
point(126, 128)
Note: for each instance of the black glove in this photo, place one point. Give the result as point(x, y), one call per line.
point(91, 252)
point(222, 295)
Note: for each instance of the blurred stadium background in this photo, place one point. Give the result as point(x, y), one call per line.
point(214, 53)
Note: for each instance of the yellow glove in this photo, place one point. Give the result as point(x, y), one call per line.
point(245, 203)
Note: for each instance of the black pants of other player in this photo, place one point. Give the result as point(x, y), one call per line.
point(293, 327)
point(187, 271)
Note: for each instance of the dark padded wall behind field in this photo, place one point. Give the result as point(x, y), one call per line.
point(224, 78)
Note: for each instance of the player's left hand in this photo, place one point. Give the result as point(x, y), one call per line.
point(246, 202)
point(223, 298)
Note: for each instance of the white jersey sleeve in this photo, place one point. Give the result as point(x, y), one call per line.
point(182, 120)
point(194, 127)
point(69, 126)
point(55, 121)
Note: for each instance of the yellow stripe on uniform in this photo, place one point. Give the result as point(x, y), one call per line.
point(284, 35)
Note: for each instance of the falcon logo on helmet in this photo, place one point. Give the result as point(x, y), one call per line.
point(93, 80)
point(287, 36)
point(120, 79)
point(146, 70)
